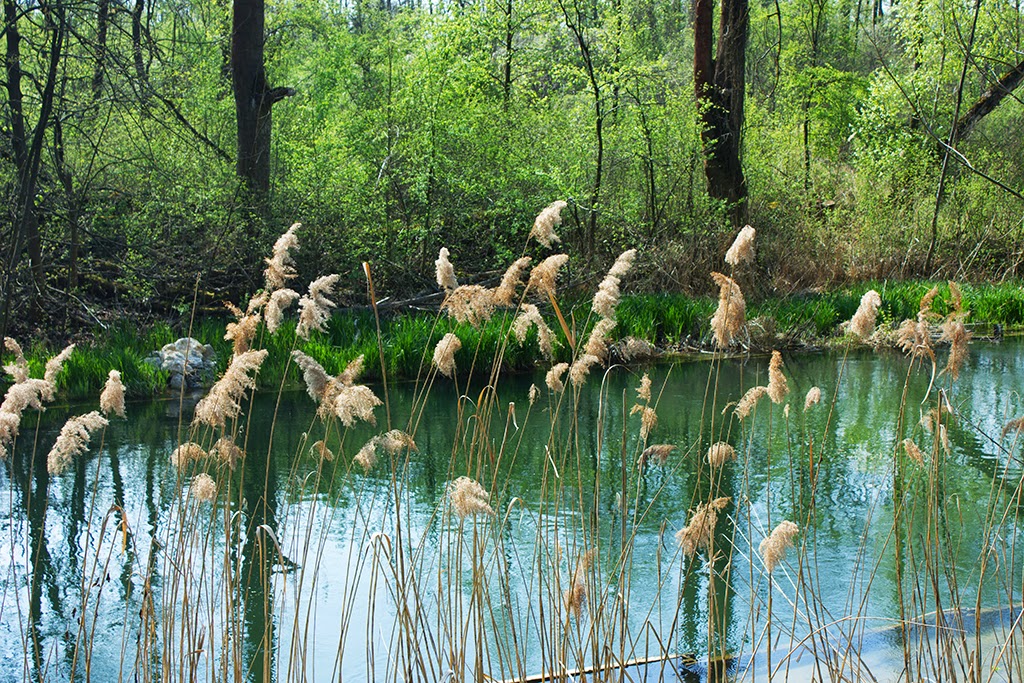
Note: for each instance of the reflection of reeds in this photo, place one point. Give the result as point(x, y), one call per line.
point(236, 580)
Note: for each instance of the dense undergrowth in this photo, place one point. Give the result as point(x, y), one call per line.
point(672, 322)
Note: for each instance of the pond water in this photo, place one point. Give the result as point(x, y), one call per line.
point(309, 570)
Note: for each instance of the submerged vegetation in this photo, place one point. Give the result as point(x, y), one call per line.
point(447, 597)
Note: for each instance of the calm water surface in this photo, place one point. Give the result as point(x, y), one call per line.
point(107, 528)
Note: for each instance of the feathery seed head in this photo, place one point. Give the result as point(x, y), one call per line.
point(242, 332)
point(643, 392)
point(224, 399)
point(862, 324)
point(505, 294)
point(315, 307)
point(471, 304)
point(73, 439)
point(554, 377)
point(227, 451)
point(187, 453)
point(112, 396)
point(773, 548)
point(777, 386)
point(56, 364)
point(580, 368)
point(607, 296)
point(529, 316)
point(720, 453)
point(279, 302)
point(320, 450)
point(355, 402)
point(742, 249)
point(542, 277)
point(913, 451)
point(813, 398)
point(203, 488)
point(18, 370)
point(699, 534)
point(280, 266)
point(444, 354)
point(749, 400)
point(445, 271)
point(546, 222)
point(467, 498)
point(730, 316)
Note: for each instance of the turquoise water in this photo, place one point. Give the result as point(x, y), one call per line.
point(310, 571)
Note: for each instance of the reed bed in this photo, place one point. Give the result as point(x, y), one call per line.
point(211, 578)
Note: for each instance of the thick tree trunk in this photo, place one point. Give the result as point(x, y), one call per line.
point(720, 84)
point(253, 96)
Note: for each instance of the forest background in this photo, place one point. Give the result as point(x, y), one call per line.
point(152, 150)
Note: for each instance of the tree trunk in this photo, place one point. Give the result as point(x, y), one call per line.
point(253, 96)
point(100, 68)
point(720, 85)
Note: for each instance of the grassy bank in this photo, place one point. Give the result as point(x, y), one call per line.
point(669, 321)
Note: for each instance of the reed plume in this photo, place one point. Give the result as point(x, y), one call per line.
point(720, 453)
point(773, 548)
point(355, 402)
point(699, 534)
point(18, 370)
point(280, 266)
point(227, 451)
point(533, 393)
point(56, 364)
point(862, 324)
point(203, 488)
point(224, 399)
point(529, 316)
point(575, 596)
point(643, 392)
point(777, 386)
point(352, 370)
point(279, 302)
point(467, 498)
point(395, 440)
point(597, 342)
point(749, 400)
point(546, 222)
point(242, 332)
point(315, 307)
point(730, 316)
point(112, 396)
point(313, 374)
point(320, 450)
point(73, 439)
point(366, 457)
point(554, 377)
point(444, 354)
point(607, 296)
point(580, 368)
point(543, 275)
point(742, 249)
point(30, 393)
point(813, 398)
point(914, 338)
point(444, 271)
point(955, 332)
point(471, 304)
point(505, 293)
point(648, 419)
point(913, 451)
point(657, 453)
point(186, 454)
